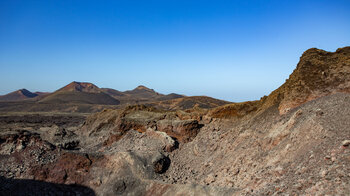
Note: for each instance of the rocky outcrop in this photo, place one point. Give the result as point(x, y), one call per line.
point(318, 73)
point(60, 137)
point(111, 125)
point(68, 168)
point(182, 130)
point(31, 157)
point(21, 140)
point(169, 143)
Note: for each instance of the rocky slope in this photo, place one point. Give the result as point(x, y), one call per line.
point(301, 152)
point(318, 73)
point(296, 141)
point(184, 103)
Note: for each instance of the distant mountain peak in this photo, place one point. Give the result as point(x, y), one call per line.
point(17, 95)
point(81, 87)
point(141, 87)
point(80, 93)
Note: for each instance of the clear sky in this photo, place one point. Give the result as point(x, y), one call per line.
point(232, 50)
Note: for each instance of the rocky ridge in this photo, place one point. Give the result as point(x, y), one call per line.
point(318, 73)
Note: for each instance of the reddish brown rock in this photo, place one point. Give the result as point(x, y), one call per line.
point(182, 130)
point(69, 168)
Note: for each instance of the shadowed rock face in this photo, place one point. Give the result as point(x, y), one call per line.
point(34, 187)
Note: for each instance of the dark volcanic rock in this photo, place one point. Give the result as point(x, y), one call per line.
point(161, 164)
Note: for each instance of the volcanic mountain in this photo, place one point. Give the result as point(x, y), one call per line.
point(80, 87)
point(140, 94)
point(19, 95)
point(80, 93)
point(143, 92)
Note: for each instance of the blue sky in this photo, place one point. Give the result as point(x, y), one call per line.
point(232, 50)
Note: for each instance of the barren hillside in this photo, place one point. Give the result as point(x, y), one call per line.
point(296, 141)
